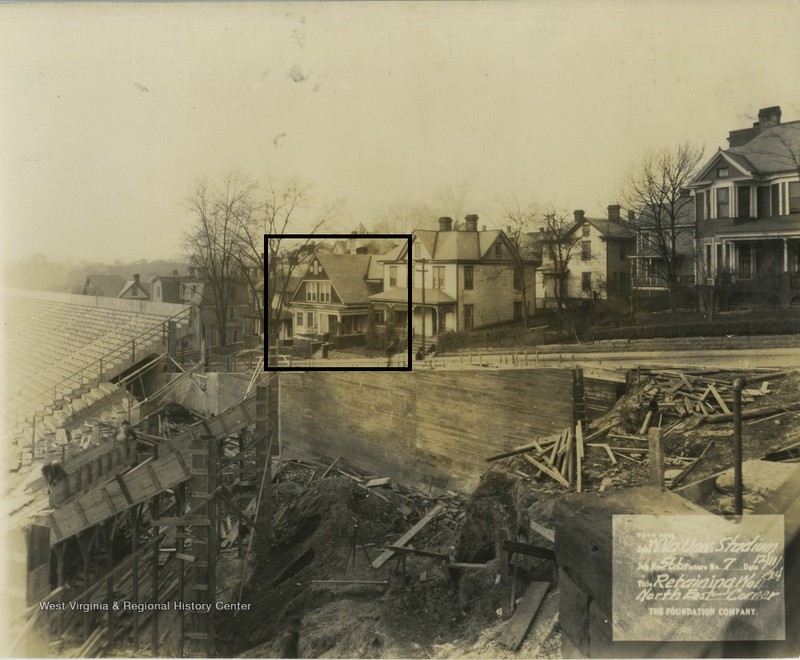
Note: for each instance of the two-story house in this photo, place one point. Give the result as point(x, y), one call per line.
point(664, 259)
point(134, 290)
point(747, 207)
point(593, 256)
point(333, 295)
point(461, 280)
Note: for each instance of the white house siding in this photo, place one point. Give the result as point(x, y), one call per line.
point(402, 276)
point(597, 266)
point(493, 295)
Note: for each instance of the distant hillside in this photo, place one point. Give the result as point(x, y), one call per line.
point(41, 274)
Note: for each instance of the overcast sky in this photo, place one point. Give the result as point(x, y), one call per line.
point(110, 113)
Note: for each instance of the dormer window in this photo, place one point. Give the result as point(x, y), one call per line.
point(585, 230)
point(498, 250)
point(722, 172)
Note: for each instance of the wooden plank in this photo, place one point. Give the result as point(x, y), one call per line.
point(646, 422)
point(552, 473)
point(719, 399)
point(410, 534)
point(578, 456)
point(421, 553)
point(377, 482)
point(518, 625)
point(656, 458)
point(610, 453)
point(543, 531)
point(345, 582)
point(536, 444)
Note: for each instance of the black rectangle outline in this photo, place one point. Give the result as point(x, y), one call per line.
point(409, 273)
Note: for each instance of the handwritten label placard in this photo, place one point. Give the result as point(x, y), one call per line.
point(695, 578)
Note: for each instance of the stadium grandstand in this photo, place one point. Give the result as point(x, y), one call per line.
point(65, 353)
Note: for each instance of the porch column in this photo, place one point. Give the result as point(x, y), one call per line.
point(785, 255)
point(753, 267)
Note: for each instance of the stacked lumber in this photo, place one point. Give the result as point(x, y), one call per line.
point(557, 456)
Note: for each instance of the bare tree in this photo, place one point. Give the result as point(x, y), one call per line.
point(452, 201)
point(783, 142)
point(558, 243)
point(521, 221)
point(284, 256)
point(214, 241)
point(656, 190)
point(403, 217)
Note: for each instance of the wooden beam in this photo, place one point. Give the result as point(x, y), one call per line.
point(723, 406)
point(554, 474)
point(517, 627)
point(410, 534)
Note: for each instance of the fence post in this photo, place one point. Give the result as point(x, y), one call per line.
point(133, 350)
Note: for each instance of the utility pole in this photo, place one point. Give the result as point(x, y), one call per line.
point(423, 262)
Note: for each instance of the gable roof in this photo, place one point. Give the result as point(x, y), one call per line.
point(130, 283)
point(458, 245)
point(107, 286)
point(767, 152)
point(610, 228)
point(347, 273)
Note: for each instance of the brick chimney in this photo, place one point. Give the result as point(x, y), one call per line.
point(613, 212)
point(579, 214)
point(445, 223)
point(769, 115)
point(766, 117)
point(136, 279)
point(192, 271)
point(471, 222)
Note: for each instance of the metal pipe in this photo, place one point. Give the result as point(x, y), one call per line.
point(738, 385)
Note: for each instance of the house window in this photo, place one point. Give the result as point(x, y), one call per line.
point(438, 277)
point(392, 276)
point(762, 202)
point(794, 197)
point(469, 312)
point(699, 206)
point(467, 277)
point(231, 313)
point(722, 172)
point(318, 291)
point(586, 281)
point(498, 250)
point(378, 316)
point(299, 319)
point(775, 199)
point(310, 319)
point(586, 230)
point(586, 250)
point(743, 201)
point(517, 278)
point(517, 311)
point(723, 203)
point(237, 335)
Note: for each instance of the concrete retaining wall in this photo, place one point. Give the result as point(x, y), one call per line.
point(424, 428)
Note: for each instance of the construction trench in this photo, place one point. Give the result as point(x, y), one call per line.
point(357, 514)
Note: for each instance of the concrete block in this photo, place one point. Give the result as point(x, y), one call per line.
point(573, 614)
point(584, 534)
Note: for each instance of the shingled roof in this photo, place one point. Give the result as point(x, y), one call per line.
point(769, 151)
point(347, 274)
point(457, 245)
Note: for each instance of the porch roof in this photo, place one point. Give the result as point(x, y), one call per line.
point(398, 295)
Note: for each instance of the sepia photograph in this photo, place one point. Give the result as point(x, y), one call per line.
point(400, 329)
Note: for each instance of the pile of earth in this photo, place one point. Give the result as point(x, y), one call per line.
point(422, 611)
